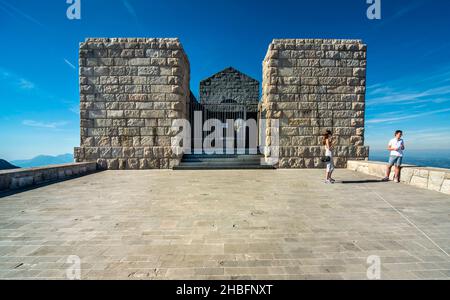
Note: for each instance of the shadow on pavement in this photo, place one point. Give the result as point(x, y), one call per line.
point(361, 181)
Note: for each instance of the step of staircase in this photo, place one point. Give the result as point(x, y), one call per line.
point(221, 162)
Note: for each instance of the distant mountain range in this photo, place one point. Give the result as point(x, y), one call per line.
point(44, 160)
point(4, 165)
point(430, 158)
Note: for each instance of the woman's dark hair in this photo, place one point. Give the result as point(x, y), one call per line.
point(326, 136)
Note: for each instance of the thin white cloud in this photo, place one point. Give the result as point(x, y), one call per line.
point(23, 85)
point(129, 8)
point(430, 77)
point(39, 124)
point(16, 80)
point(429, 87)
point(5, 74)
point(132, 12)
point(406, 117)
point(425, 138)
point(17, 13)
point(69, 64)
point(75, 109)
point(6, 11)
point(378, 89)
point(26, 84)
point(412, 96)
point(401, 13)
point(437, 49)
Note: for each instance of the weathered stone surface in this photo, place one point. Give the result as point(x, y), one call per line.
point(406, 175)
point(131, 90)
point(230, 86)
point(28, 177)
point(311, 86)
point(446, 186)
point(419, 181)
point(427, 178)
point(263, 225)
point(435, 180)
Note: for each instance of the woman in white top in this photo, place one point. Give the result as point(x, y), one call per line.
point(328, 143)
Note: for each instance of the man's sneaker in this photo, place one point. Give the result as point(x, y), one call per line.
point(328, 182)
point(332, 180)
point(385, 179)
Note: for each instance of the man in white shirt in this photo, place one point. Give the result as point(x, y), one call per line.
point(396, 146)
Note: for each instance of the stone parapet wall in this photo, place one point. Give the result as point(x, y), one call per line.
point(435, 179)
point(24, 178)
point(309, 86)
point(131, 89)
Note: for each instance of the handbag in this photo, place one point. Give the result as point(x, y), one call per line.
point(325, 159)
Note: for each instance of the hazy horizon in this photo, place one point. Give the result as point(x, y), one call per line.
point(373, 152)
point(408, 71)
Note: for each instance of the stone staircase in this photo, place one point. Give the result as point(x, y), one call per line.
point(221, 162)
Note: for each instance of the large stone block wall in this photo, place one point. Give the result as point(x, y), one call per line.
point(230, 84)
point(311, 85)
point(131, 89)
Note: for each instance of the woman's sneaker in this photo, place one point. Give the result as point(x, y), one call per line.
point(328, 182)
point(385, 179)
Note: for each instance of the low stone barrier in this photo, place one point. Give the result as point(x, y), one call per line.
point(435, 179)
point(24, 178)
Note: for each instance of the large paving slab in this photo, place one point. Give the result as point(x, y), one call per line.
point(250, 224)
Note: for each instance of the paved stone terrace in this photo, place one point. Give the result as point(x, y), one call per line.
point(280, 224)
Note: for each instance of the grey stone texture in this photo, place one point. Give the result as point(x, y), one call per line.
point(435, 179)
point(131, 89)
point(24, 178)
point(311, 85)
point(247, 224)
point(230, 84)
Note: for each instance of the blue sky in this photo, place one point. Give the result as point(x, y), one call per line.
point(408, 76)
